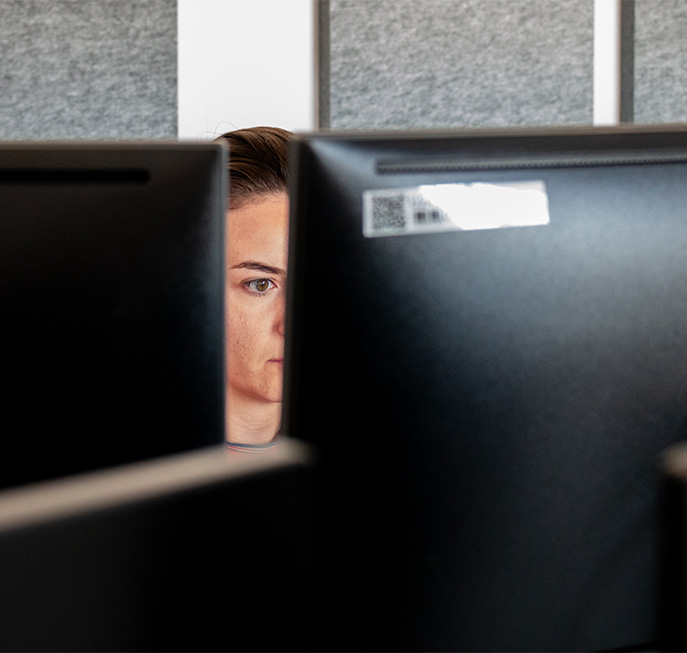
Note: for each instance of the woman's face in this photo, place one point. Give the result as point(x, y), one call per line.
point(256, 274)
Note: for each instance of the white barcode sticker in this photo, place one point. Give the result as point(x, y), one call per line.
point(454, 207)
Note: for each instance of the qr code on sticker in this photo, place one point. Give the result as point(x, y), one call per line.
point(388, 213)
point(439, 208)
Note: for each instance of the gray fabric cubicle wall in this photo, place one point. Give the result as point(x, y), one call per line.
point(101, 69)
point(660, 61)
point(455, 63)
point(402, 64)
point(90, 69)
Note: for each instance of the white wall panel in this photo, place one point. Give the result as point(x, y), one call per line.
point(244, 63)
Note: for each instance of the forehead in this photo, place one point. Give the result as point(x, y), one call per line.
point(258, 229)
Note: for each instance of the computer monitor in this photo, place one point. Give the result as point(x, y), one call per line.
point(486, 342)
point(111, 287)
point(199, 551)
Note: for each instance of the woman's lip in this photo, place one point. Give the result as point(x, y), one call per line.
point(276, 360)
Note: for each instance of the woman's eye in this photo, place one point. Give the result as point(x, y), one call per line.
point(259, 286)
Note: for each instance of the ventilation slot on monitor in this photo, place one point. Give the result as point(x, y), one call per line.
point(438, 165)
point(73, 177)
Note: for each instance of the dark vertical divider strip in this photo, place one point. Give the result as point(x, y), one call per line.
point(627, 60)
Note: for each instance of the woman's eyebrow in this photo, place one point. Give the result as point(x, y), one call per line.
point(260, 267)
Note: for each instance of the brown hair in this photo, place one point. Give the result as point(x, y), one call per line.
point(258, 162)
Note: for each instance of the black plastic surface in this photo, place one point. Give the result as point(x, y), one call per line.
point(111, 287)
point(490, 405)
point(216, 563)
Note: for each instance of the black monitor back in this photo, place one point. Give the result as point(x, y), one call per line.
point(489, 404)
point(199, 551)
point(111, 287)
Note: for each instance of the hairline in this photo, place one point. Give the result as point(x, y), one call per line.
point(256, 198)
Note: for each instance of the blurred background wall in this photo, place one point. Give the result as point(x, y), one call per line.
point(104, 69)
